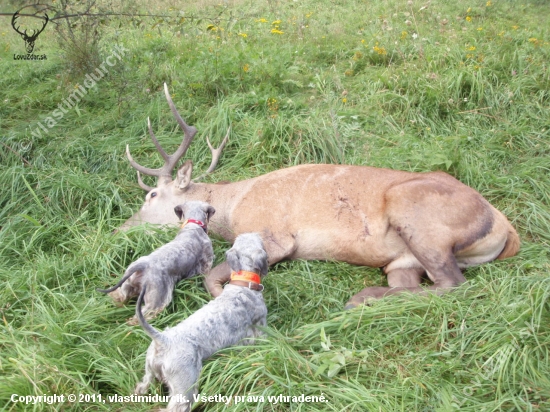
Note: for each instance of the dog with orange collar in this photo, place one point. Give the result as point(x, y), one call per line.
point(176, 355)
point(188, 255)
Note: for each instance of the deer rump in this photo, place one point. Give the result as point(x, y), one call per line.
point(411, 224)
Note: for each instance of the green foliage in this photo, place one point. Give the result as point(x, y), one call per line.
point(422, 86)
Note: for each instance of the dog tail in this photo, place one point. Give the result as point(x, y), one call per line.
point(135, 267)
point(151, 331)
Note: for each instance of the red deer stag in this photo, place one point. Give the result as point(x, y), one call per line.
point(409, 224)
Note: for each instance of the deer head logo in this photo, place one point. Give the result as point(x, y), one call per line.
point(30, 20)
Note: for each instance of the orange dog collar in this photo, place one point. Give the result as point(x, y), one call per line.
point(246, 276)
point(246, 279)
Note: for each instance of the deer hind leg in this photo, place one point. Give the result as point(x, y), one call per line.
point(436, 217)
point(399, 280)
point(442, 269)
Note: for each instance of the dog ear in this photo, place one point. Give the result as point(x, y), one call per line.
point(260, 259)
point(178, 210)
point(232, 258)
point(210, 212)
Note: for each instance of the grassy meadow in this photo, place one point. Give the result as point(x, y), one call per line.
point(462, 87)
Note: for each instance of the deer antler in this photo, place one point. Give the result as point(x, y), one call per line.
point(164, 173)
point(14, 22)
point(29, 40)
point(215, 155)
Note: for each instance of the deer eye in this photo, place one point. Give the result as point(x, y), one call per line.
point(153, 194)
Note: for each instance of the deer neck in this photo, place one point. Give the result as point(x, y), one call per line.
point(223, 197)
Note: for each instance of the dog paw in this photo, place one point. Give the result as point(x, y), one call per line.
point(133, 321)
point(141, 388)
point(118, 298)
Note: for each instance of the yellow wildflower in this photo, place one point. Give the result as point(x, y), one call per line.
point(262, 20)
point(489, 4)
point(276, 22)
point(380, 50)
point(276, 31)
point(472, 48)
point(243, 35)
point(479, 28)
point(468, 18)
point(246, 67)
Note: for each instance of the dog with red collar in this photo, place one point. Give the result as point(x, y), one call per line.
point(175, 356)
point(188, 255)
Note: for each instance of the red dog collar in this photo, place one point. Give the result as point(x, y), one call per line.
point(197, 222)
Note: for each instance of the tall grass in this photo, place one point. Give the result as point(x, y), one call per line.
point(414, 86)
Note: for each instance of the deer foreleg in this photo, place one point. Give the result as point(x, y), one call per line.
point(216, 278)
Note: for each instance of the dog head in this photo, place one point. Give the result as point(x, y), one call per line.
point(195, 209)
point(248, 254)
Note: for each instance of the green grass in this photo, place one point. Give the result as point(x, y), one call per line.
point(459, 88)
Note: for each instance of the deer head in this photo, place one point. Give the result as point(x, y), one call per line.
point(29, 38)
point(160, 200)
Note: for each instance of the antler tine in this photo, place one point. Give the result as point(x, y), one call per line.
point(45, 22)
point(164, 173)
point(189, 132)
point(156, 142)
point(215, 155)
point(140, 168)
point(143, 185)
point(36, 32)
point(14, 22)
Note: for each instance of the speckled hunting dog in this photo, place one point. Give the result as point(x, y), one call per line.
point(188, 255)
point(176, 355)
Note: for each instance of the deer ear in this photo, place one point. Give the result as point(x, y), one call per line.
point(183, 176)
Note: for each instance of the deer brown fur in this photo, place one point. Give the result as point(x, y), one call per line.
point(409, 224)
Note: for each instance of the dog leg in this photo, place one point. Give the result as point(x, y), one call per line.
point(148, 378)
point(157, 297)
point(183, 387)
